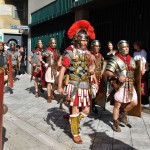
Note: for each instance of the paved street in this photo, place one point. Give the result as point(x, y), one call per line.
point(33, 124)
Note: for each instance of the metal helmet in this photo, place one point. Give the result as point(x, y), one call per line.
point(121, 44)
point(39, 42)
point(12, 44)
point(80, 37)
point(95, 43)
point(52, 41)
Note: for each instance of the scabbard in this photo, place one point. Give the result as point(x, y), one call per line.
point(10, 72)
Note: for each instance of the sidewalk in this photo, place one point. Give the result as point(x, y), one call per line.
point(33, 124)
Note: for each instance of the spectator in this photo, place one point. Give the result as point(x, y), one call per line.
point(110, 49)
point(22, 60)
point(6, 46)
point(141, 54)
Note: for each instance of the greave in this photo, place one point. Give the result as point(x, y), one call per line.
point(74, 123)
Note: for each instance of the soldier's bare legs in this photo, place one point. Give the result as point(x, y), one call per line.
point(5, 78)
point(119, 113)
point(116, 110)
point(49, 92)
point(36, 86)
point(130, 106)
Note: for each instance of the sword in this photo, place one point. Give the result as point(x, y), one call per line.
point(74, 91)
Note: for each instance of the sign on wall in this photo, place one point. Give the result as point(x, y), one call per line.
point(1, 36)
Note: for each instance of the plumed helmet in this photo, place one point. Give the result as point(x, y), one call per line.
point(95, 43)
point(81, 36)
point(122, 44)
point(81, 30)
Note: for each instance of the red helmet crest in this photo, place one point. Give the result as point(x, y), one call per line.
point(81, 25)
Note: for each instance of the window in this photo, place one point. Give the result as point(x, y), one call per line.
point(19, 9)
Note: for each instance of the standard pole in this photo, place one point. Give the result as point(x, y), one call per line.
point(1, 103)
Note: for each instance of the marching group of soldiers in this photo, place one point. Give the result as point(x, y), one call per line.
point(81, 75)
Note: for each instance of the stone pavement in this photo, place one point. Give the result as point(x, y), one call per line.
point(33, 124)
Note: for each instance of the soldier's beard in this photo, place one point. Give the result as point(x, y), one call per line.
point(96, 51)
point(53, 47)
point(82, 47)
point(123, 52)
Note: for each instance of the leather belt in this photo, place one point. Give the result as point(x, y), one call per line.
point(83, 79)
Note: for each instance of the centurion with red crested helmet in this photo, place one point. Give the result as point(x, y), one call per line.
point(78, 63)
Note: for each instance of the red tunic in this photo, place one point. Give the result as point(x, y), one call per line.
point(54, 51)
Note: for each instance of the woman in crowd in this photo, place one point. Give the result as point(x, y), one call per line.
point(141, 54)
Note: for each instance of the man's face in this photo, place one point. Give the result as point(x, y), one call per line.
point(83, 44)
point(1, 47)
point(40, 45)
point(125, 50)
point(21, 49)
point(12, 46)
point(53, 44)
point(96, 49)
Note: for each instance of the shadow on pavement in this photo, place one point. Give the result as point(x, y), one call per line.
point(103, 141)
point(8, 90)
point(4, 139)
point(55, 119)
point(103, 115)
point(146, 110)
point(32, 90)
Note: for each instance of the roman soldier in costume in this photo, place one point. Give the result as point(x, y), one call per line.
point(36, 67)
point(78, 63)
point(121, 70)
point(3, 72)
point(49, 60)
point(15, 59)
point(4, 61)
point(98, 60)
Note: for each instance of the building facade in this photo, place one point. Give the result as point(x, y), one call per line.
point(112, 20)
point(14, 21)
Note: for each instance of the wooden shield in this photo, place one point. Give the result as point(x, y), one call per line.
point(136, 111)
point(10, 71)
point(101, 95)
